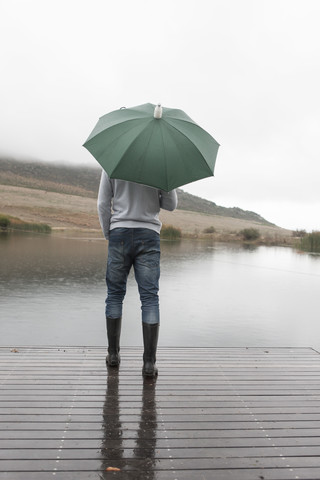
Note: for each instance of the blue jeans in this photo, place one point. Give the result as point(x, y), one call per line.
point(139, 247)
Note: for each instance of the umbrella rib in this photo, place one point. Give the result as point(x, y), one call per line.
point(186, 136)
point(166, 163)
point(93, 136)
point(185, 120)
point(129, 146)
point(192, 123)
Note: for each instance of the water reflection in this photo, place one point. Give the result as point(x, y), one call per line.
point(112, 448)
point(146, 437)
point(52, 292)
point(28, 260)
point(142, 458)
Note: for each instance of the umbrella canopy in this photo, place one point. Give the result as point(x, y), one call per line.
point(156, 146)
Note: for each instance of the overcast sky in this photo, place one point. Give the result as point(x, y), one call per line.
point(248, 71)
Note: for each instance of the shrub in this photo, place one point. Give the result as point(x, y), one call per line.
point(4, 222)
point(13, 223)
point(250, 234)
point(311, 242)
point(299, 233)
point(32, 227)
point(169, 232)
point(209, 230)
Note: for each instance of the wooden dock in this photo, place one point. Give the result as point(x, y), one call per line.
point(213, 413)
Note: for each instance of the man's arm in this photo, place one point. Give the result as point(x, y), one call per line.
point(104, 203)
point(168, 200)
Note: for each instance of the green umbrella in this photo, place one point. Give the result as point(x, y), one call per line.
point(156, 146)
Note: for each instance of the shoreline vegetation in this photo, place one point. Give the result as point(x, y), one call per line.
point(308, 242)
point(11, 224)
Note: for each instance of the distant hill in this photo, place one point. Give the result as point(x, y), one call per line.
point(84, 181)
point(197, 204)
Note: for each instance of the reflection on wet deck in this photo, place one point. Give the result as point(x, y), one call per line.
point(213, 413)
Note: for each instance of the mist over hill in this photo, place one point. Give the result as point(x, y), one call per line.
point(84, 181)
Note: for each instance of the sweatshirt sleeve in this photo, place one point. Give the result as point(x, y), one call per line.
point(104, 203)
point(168, 200)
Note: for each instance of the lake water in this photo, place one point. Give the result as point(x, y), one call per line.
point(52, 292)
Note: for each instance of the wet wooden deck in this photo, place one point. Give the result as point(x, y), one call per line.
point(216, 413)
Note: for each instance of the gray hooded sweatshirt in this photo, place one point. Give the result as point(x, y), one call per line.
point(131, 205)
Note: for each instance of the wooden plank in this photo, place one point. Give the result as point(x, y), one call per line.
point(144, 448)
point(43, 431)
point(183, 442)
point(243, 474)
point(183, 407)
point(170, 426)
point(142, 463)
point(177, 415)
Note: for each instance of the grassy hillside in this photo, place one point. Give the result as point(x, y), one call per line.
point(84, 181)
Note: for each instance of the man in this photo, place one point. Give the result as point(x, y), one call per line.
point(129, 218)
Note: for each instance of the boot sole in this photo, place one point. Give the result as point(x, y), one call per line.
point(112, 364)
point(150, 374)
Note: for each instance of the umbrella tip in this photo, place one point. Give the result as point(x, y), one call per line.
point(157, 111)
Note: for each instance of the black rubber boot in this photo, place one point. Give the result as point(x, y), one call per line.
point(113, 332)
point(150, 341)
